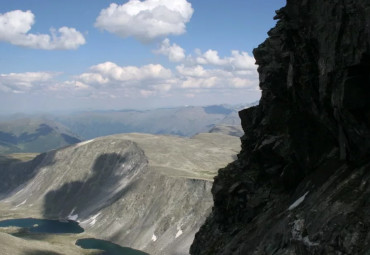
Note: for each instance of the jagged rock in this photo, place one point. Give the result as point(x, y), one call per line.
point(310, 133)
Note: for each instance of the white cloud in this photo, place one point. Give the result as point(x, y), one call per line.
point(146, 93)
point(108, 80)
point(237, 61)
point(242, 60)
point(207, 83)
point(109, 72)
point(198, 77)
point(210, 57)
point(193, 71)
point(238, 82)
point(77, 85)
point(15, 25)
point(174, 52)
point(153, 80)
point(23, 82)
point(128, 81)
point(146, 20)
point(93, 78)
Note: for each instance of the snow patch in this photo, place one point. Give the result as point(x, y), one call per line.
point(92, 220)
point(73, 217)
point(179, 233)
point(21, 203)
point(154, 238)
point(298, 202)
point(84, 142)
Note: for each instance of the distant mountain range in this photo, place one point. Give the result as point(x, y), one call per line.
point(181, 121)
point(40, 133)
point(34, 135)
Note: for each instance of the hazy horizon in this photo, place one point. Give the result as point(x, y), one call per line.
point(86, 110)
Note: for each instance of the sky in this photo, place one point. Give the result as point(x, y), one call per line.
point(101, 54)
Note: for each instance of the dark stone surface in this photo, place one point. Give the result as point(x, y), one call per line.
point(310, 133)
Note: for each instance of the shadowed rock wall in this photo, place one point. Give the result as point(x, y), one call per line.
point(300, 184)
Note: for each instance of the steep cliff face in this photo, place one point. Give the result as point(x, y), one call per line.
point(300, 184)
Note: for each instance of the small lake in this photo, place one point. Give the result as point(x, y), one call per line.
point(44, 226)
point(108, 248)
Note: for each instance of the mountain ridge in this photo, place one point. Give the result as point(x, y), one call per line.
point(34, 135)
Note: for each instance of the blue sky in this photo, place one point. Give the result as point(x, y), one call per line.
point(75, 55)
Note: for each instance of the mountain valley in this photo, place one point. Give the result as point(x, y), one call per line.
point(143, 191)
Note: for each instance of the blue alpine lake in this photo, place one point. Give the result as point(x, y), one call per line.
point(44, 226)
point(108, 248)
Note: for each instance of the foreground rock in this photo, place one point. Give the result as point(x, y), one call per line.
point(147, 192)
point(301, 182)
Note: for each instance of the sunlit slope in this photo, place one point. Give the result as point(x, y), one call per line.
point(52, 245)
point(147, 192)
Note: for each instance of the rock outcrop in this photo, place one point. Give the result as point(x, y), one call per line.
point(300, 184)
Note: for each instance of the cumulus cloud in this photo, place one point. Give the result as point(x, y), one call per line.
point(210, 57)
point(146, 20)
point(239, 60)
point(174, 52)
point(109, 80)
point(152, 79)
point(109, 73)
point(24, 82)
point(208, 70)
point(193, 71)
point(128, 81)
point(15, 27)
point(197, 77)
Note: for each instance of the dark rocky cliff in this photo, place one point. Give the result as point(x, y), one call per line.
point(301, 182)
